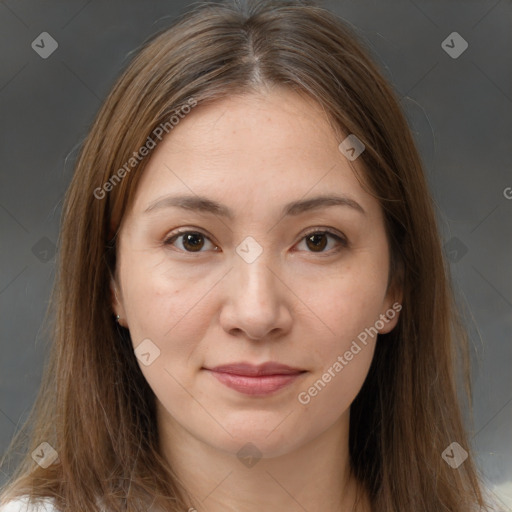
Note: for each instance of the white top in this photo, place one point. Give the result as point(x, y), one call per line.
point(46, 505)
point(22, 505)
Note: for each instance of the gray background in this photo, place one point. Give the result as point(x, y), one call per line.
point(459, 109)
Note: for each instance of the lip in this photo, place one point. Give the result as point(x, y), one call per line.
point(256, 380)
point(251, 370)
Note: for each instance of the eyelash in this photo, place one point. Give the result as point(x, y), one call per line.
point(316, 231)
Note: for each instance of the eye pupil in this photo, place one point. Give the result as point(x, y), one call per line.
point(319, 244)
point(192, 238)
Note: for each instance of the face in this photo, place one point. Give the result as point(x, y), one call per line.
point(247, 278)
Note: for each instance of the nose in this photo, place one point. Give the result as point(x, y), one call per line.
point(256, 300)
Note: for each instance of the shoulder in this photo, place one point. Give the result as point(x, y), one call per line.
point(22, 504)
point(499, 497)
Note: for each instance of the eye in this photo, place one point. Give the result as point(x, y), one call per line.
point(191, 241)
point(317, 240)
point(194, 241)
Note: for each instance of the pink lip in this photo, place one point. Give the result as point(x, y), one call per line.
point(256, 380)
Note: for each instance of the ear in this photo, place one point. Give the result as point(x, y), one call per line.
point(116, 301)
point(392, 304)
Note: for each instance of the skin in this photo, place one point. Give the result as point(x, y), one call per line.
point(296, 304)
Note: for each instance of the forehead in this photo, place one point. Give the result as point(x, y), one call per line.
point(249, 150)
point(278, 121)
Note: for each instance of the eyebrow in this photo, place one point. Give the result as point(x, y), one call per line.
point(207, 205)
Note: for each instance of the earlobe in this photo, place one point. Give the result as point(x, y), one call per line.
point(394, 305)
point(393, 301)
point(117, 306)
point(389, 318)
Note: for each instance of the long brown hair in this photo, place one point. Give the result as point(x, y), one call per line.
point(94, 406)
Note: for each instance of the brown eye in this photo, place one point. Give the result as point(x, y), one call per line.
point(316, 242)
point(191, 241)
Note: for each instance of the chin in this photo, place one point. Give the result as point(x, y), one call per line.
point(269, 442)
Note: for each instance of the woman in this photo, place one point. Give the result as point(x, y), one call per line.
point(252, 308)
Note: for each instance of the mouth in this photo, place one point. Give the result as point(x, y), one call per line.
point(256, 379)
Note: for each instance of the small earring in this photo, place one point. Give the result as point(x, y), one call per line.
point(117, 318)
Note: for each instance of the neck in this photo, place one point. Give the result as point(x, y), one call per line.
point(314, 476)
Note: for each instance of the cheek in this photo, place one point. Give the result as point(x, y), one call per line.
point(348, 303)
point(166, 308)
point(349, 307)
point(342, 358)
point(158, 296)
point(166, 315)
point(329, 394)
